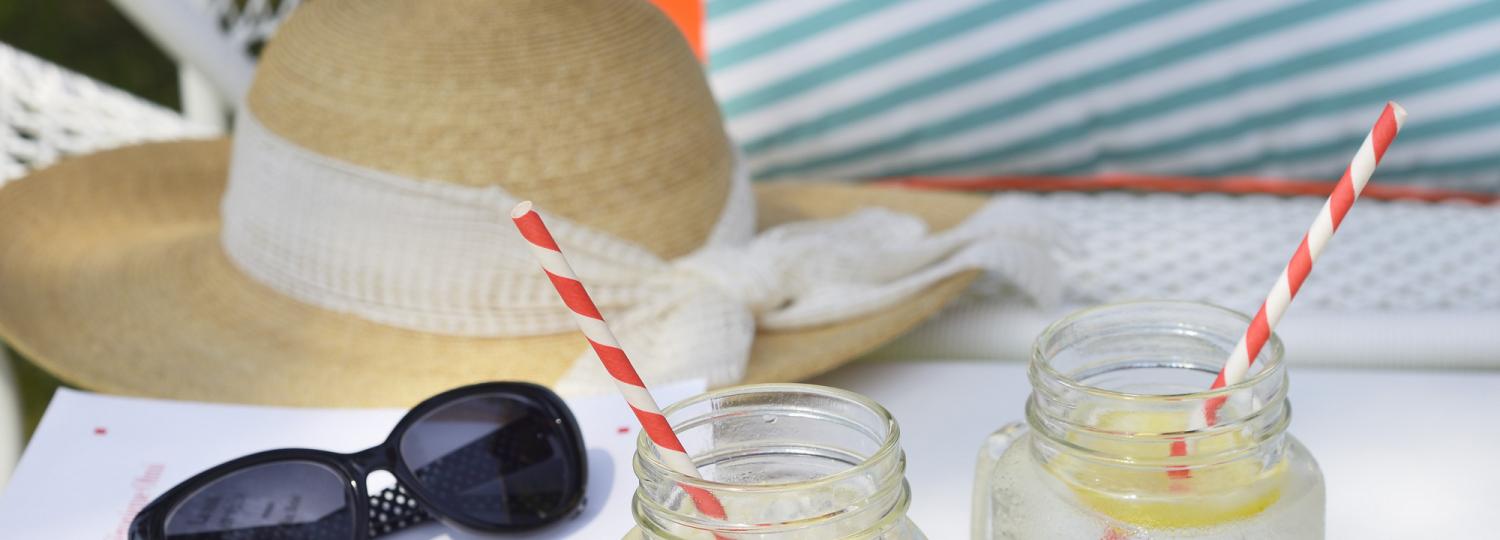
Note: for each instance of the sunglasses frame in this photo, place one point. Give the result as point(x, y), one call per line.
point(355, 468)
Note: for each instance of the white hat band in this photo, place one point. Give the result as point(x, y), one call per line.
point(443, 258)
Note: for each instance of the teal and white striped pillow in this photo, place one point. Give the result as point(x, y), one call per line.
point(871, 88)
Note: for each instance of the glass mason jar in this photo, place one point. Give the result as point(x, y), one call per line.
point(1114, 390)
point(786, 461)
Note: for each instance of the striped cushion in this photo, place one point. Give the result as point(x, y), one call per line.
point(871, 88)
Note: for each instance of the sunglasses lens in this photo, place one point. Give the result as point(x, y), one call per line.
point(504, 461)
point(290, 499)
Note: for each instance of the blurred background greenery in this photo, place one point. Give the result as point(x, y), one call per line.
point(93, 38)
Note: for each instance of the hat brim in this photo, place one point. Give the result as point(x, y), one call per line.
point(112, 279)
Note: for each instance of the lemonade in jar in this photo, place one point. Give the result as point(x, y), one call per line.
point(1117, 444)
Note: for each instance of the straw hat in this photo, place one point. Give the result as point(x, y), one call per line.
point(187, 270)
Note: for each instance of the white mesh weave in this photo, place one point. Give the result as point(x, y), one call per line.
point(47, 112)
point(1403, 284)
point(1387, 255)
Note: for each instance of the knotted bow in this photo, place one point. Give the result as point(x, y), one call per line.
point(811, 273)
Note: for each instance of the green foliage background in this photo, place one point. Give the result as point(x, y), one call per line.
point(93, 38)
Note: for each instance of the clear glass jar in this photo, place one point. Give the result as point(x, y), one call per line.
point(788, 461)
point(1114, 389)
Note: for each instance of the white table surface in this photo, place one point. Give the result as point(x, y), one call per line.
point(1405, 454)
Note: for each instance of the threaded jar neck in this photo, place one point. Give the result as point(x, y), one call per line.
point(785, 460)
point(1122, 383)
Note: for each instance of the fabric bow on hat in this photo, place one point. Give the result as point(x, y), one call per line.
point(441, 258)
point(702, 318)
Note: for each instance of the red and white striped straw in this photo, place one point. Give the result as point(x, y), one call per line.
point(599, 336)
point(1344, 194)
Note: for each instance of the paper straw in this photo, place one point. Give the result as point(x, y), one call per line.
point(599, 336)
point(1344, 194)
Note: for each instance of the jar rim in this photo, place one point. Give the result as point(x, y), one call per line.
point(1272, 352)
point(646, 450)
point(890, 517)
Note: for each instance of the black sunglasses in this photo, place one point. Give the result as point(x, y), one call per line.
point(488, 458)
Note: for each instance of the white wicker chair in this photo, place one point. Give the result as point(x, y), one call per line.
point(214, 42)
point(47, 113)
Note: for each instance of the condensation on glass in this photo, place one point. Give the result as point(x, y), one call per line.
point(1115, 443)
point(788, 461)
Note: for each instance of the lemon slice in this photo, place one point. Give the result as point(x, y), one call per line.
point(1149, 497)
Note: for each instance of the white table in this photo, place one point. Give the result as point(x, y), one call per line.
point(1405, 454)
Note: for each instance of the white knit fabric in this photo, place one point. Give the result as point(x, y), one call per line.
point(441, 258)
point(1405, 284)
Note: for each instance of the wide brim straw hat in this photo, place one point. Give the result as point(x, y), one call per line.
point(114, 271)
